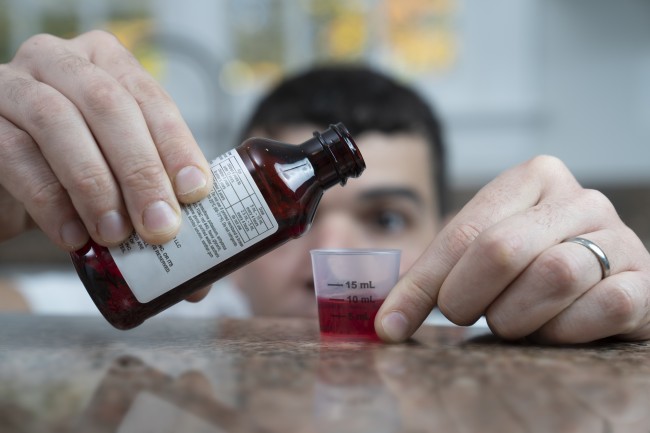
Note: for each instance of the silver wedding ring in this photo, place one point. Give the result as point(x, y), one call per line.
point(597, 251)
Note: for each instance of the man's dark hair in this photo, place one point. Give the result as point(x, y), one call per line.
point(363, 100)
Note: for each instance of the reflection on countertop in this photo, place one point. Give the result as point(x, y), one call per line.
point(77, 374)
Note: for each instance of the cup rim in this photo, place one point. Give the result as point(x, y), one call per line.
point(355, 251)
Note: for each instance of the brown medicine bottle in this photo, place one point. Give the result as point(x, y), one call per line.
point(265, 193)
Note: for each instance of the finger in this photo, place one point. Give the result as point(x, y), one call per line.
point(552, 282)
point(25, 174)
point(14, 218)
point(514, 191)
point(181, 155)
point(199, 295)
point(617, 306)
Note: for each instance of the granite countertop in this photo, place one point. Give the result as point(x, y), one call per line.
point(75, 374)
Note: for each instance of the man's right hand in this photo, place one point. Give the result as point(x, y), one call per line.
point(91, 145)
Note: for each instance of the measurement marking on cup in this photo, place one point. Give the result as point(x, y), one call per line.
point(354, 284)
point(360, 299)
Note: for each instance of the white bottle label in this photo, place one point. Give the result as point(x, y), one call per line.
point(232, 218)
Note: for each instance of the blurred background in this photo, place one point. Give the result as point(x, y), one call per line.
point(510, 78)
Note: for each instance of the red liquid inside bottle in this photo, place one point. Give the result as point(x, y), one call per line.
point(265, 194)
point(340, 318)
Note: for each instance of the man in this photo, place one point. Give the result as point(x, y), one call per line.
point(91, 146)
point(396, 203)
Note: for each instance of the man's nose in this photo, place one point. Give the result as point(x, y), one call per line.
point(336, 230)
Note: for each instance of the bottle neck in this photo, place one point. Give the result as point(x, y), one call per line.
point(334, 156)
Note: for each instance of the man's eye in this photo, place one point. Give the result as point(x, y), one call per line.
point(390, 221)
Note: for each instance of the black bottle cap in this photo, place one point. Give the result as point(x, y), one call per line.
point(349, 161)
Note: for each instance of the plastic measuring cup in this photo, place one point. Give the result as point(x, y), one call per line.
point(351, 285)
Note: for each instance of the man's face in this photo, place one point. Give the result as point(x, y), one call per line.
point(392, 205)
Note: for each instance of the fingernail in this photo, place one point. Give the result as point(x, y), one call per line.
point(160, 218)
point(395, 326)
point(189, 179)
point(74, 234)
point(113, 227)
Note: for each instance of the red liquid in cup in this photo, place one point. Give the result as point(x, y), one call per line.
point(347, 318)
